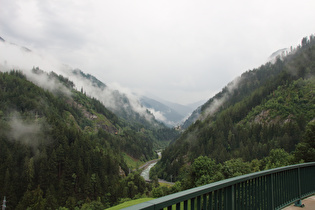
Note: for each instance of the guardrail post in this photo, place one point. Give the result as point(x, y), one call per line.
point(298, 203)
point(232, 198)
point(272, 192)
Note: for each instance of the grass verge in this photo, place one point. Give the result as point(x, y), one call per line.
point(130, 203)
point(131, 162)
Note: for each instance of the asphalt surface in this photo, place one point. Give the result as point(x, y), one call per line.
point(309, 204)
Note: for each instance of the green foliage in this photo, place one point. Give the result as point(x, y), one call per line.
point(305, 150)
point(94, 205)
point(278, 158)
point(235, 167)
point(133, 184)
point(33, 200)
point(160, 191)
point(204, 170)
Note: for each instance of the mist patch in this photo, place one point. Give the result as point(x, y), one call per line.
point(26, 132)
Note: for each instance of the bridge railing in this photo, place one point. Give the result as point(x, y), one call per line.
point(269, 189)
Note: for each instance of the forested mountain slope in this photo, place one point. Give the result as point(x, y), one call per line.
point(62, 148)
point(118, 100)
point(131, 112)
point(267, 108)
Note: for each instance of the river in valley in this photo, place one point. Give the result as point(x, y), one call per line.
point(147, 167)
point(145, 173)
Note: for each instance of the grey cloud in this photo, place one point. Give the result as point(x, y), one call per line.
point(159, 46)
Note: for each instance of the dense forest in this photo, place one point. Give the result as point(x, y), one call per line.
point(60, 148)
point(263, 119)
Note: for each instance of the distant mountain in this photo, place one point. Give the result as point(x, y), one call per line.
point(171, 114)
point(162, 112)
point(125, 106)
point(184, 110)
point(1, 39)
point(195, 105)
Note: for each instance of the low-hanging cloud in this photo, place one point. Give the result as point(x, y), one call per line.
point(26, 132)
point(218, 102)
point(19, 58)
point(158, 114)
point(46, 82)
point(111, 96)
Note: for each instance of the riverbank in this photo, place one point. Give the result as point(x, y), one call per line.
point(147, 164)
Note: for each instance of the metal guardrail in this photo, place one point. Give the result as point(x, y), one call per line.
point(269, 189)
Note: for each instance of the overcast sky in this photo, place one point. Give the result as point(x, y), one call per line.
point(178, 50)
